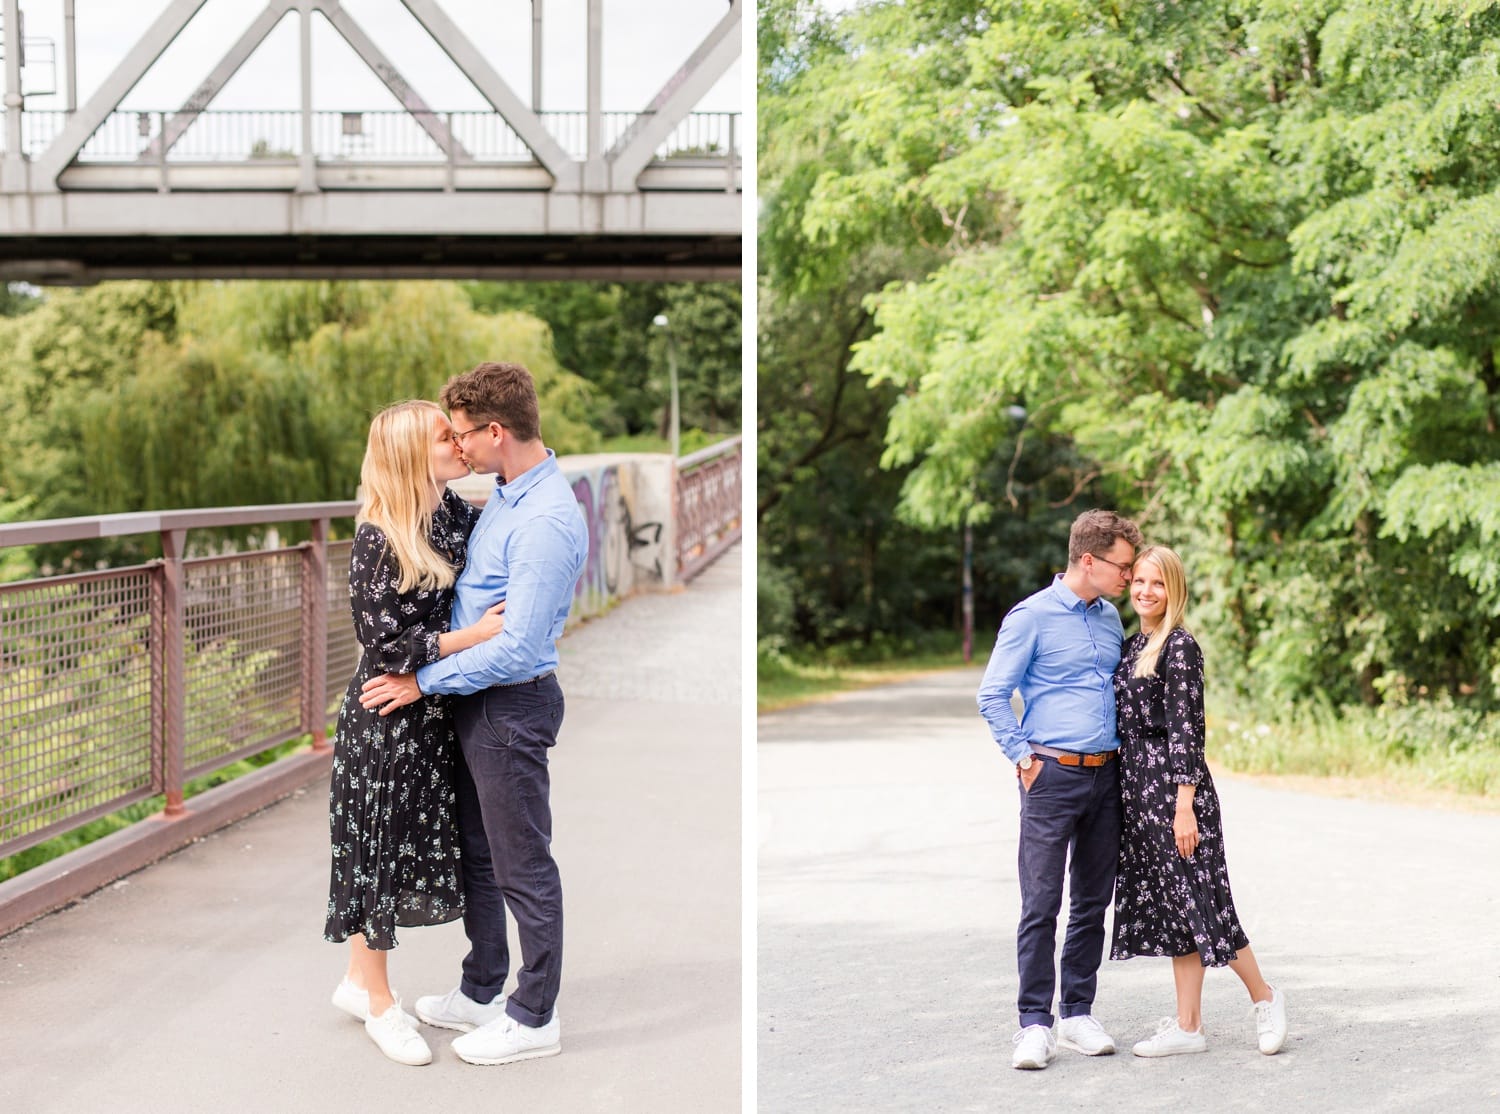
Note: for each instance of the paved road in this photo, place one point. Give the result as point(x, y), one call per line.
point(887, 911)
point(201, 983)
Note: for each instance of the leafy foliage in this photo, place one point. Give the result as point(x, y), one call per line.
point(604, 333)
point(1236, 262)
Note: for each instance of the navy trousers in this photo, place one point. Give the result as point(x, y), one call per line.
point(505, 821)
point(1070, 823)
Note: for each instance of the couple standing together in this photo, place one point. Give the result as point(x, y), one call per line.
point(1110, 764)
point(440, 796)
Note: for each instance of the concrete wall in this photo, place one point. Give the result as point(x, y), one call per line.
point(626, 499)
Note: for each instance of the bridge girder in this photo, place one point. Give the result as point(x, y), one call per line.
point(611, 213)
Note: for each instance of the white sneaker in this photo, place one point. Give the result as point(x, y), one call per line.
point(1035, 1047)
point(1084, 1034)
point(1170, 1040)
point(356, 1002)
point(506, 1040)
point(456, 1010)
point(1270, 1023)
point(398, 1040)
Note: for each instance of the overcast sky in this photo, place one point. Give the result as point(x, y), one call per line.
point(644, 43)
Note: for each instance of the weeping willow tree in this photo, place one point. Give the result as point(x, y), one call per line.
point(135, 396)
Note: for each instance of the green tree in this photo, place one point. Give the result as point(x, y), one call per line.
point(137, 396)
point(17, 298)
point(827, 511)
point(603, 332)
point(1242, 256)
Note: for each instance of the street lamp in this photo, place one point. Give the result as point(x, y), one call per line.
point(661, 322)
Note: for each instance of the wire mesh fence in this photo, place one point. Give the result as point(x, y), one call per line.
point(75, 700)
point(343, 647)
point(118, 685)
point(244, 669)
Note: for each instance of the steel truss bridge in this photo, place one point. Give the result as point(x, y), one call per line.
point(97, 192)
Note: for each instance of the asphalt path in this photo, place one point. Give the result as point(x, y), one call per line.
point(202, 983)
point(888, 904)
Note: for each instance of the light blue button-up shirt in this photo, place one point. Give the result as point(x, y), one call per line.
point(1060, 653)
point(528, 549)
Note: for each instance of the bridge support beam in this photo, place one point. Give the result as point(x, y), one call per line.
point(683, 89)
point(13, 174)
point(64, 149)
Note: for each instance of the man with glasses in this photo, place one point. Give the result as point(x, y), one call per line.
point(1058, 648)
point(528, 548)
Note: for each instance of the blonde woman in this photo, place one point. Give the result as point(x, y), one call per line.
point(1172, 894)
point(391, 803)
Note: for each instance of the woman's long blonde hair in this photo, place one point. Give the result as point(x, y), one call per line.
point(1175, 578)
point(398, 482)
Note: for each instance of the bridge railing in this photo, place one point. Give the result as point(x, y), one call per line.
point(709, 483)
point(375, 136)
point(122, 684)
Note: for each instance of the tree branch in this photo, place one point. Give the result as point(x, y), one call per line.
point(1186, 92)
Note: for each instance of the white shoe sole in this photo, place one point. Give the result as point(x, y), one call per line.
point(1158, 1053)
point(1074, 1046)
point(445, 1023)
point(514, 1057)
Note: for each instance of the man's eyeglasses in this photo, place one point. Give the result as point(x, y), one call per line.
point(458, 438)
point(1123, 568)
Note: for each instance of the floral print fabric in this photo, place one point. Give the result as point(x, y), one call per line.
point(1166, 904)
point(392, 814)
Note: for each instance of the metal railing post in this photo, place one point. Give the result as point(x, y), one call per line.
point(729, 158)
point(451, 152)
point(315, 636)
point(161, 151)
point(173, 633)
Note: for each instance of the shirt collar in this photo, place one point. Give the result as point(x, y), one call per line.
point(1071, 599)
point(514, 492)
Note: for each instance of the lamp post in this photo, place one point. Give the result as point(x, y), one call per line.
point(1017, 415)
point(661, 322)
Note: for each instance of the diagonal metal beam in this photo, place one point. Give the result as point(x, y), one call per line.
point(410, 99)
point(706, 65)
point(522, 120)
point(62, 150)
point(184, 118)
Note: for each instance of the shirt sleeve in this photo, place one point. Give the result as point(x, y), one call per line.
point(391, 641)
point(1015, 647)
point(540, 578)
point(1183, 673)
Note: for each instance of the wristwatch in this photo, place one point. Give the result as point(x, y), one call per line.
point(1024, 763)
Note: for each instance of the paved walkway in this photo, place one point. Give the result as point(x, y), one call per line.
point(888, 903)
point(202, 983)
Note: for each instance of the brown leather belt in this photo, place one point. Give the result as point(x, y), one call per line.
point(1073, 758)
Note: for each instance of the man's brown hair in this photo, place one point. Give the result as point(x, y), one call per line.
point(503, 393)
point(1097, 531)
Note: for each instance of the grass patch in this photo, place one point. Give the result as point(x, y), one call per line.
point(1435, 745)
point(115, 821)
point(785, 680)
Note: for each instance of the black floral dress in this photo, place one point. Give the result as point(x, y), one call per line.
point(391, 801)
point(1166, 904)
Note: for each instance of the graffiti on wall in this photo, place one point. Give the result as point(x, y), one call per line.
point(626, 519)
